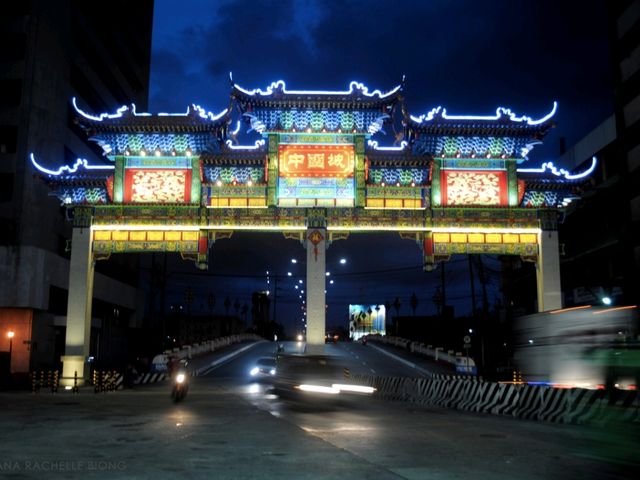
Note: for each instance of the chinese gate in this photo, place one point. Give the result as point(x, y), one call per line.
point(316, 172)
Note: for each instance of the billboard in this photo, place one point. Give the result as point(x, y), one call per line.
point(366, 320)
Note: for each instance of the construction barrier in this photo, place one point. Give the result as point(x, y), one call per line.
point(523, 401)
point(49, 379)
point(107, 381)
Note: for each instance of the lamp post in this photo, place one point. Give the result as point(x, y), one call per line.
point(10, 334)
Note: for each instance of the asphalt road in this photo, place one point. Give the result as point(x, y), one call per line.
point(230, 427)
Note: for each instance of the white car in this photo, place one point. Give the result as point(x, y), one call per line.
point(264, 367)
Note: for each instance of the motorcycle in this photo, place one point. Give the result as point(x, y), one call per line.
point(180, 385)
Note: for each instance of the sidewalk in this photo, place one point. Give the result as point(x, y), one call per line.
point(421, 364)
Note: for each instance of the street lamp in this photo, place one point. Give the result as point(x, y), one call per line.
point(10, 334)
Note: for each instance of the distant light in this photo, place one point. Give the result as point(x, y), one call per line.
point(328, 274)
point(331, 282)
point(343, 261)
point(606, 300)
point(296, 287)
point(293, 260)
point(11, 333)
point(530, 341)
point(471, 330)
point(299, 281)
point(288, 274)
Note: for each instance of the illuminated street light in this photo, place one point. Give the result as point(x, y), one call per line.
point(343, 261)
point(288, 274)
point(10, 334)
point(328, 274)
point(606, 300)
point(293, 260)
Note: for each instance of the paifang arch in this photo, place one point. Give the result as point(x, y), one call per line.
point(316, 172)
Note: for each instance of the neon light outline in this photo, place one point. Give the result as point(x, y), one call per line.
point(73, 169)
point(561, 172)
point(500, 111)
point(202, 113)
point(374, 144)
point(256, 146)
point(353, 86)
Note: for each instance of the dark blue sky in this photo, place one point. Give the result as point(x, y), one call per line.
point(468, 56)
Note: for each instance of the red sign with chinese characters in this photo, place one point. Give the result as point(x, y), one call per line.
point(466, 187)
point(152, 185)
point(316, 160)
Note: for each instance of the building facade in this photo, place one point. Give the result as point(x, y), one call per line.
point(51, 52)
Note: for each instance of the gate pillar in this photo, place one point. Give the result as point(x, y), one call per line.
point(316, 245)
point(80, 295)
point(548, 272)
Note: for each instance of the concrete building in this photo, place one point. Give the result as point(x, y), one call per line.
point(601, 234)
point(49, 53)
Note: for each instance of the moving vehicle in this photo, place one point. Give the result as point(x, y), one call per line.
point(180, 379)
point(584, 347)
point(314, 377)
point(264, 367)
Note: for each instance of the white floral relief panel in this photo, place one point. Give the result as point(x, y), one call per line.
point(474, 188)
point(158, 186)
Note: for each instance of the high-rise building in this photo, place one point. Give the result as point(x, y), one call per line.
point(601, 234)
point(625, 41)
point(51, 52)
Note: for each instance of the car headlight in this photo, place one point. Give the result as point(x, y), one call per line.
point(254, 371)
point(272, 371)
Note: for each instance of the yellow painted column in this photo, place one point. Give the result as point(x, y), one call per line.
point(548, 272)
point(81, 269)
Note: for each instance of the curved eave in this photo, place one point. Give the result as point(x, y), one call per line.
point(279, 99)
point(127, 120)
point(397, 159)
point(459, 128)
point(151, 127)
point(233, 158)
point(553, 184)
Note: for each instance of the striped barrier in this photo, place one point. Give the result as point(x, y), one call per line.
point(527, 402)
point(147, 378)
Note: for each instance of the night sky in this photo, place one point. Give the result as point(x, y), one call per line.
point(468, 56)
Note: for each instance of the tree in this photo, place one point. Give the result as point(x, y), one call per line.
point(211, 301)
point(397, 305)
point(227, 304)
point(414, 303)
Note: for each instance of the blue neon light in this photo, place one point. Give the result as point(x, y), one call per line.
point(561, 172)
point(80, 162)
point(256, 146)
point(353, 86)
point(374, 144)
point(202, 113)
point(500, 112)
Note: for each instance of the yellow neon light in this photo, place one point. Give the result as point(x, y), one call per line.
point(493, 238)
point(441, 237)
point(119, 229)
